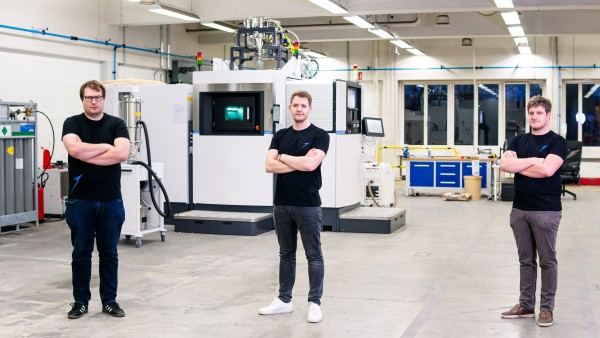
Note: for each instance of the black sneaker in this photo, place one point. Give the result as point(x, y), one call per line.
point(77, 310)
point(113, 309)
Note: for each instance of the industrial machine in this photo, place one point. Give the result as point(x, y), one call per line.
point(378, 185)
point(141, 179)
point(337, 109)
point(56, 190)
point(18, 163)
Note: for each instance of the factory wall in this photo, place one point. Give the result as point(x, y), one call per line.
point(49, 70)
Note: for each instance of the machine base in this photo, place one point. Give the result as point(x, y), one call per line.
point(373, 220)
point(224, 222)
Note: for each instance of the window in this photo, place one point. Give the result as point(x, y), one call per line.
point(437, 114)
point(591, 112)
point(572, 103)
point(463, 114)
point(515, 108)
point(488, 114)
point(413, 114)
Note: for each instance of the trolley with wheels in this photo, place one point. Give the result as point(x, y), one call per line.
point(141, 216)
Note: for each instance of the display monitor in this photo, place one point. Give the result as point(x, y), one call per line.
point(373, 126)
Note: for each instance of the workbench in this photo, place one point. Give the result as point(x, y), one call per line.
point(438, 175)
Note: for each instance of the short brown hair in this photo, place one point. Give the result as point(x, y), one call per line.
point(93, 84)
point(303, 94)
point(539, 100)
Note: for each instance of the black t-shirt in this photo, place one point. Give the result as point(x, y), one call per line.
point(89, 181)
point(299, 188)
point(538, 194)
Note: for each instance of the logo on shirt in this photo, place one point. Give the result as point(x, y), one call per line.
point(76, 179)
point(543, 147)
point(305, 144)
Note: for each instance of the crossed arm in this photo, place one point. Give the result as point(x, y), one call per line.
point(99, 154)
point(534, 167)
point(282, 163)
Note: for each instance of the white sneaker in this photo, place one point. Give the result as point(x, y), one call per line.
point(314, 313)
point(276, 307)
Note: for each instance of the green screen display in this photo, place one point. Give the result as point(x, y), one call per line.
point(234, 113)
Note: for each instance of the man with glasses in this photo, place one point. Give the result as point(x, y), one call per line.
point(97, 143)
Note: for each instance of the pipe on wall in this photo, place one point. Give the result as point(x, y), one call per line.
point(100, 42)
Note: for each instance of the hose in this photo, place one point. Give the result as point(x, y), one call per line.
point(167, 211)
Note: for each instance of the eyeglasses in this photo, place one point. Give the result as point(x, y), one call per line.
point(98, 98)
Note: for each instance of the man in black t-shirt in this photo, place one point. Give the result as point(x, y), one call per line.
point(97, 143)
point(295, 155)
point(535, 158)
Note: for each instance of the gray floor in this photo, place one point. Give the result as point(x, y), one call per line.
point(448, 273)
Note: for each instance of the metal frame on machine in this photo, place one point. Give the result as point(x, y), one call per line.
point(273, 51)
point(18, 163)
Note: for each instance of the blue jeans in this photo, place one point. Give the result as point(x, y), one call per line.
point(288, 221)
point(535, 233)
point(102, 220)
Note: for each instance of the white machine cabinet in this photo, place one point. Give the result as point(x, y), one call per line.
point(141, 217)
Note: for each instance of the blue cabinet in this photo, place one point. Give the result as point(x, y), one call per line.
point(421, 174)
point(447, 174)
point(467, 170)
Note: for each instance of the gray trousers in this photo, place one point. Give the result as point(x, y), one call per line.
point(536, 231)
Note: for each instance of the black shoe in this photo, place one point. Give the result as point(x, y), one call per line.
point(113, 309)
point(77, 310)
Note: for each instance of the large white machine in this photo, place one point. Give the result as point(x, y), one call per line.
point(337, 110)
point(235, 114)
point(166, 114)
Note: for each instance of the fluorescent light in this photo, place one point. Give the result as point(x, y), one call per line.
point(592, 91)
point(313, 53)
point(415, 51)
point(516, 31)
point(504, 3)
point(173, 12)
point(521, 41)
point(524, 49)
point(360, 22)
point(511, 18)
point(401, 44)
point(219, 27)
point(380, 32)
point(330, 6)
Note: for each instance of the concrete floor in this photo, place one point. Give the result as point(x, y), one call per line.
point(449, 272)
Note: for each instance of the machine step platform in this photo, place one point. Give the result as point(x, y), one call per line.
point(373, 220)
point(224, 222)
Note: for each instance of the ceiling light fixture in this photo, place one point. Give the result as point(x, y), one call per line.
point(330, 6)
point(466, 42)
point(219, 27)
point(171, 11)
point(504, 3)
point(380, 32)
point(521, 41)
point(313, 53)
point(516, 31)
point(415, 51)
point(592, 91)
point(401, 44)
point(442, 20)
point(360, 22)
point(511, 18)
point(524, 49)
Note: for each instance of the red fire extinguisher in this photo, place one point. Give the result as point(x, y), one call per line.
point(46, 159)
point(40, 192)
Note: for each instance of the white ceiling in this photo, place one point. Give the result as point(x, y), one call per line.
point(406, 19)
